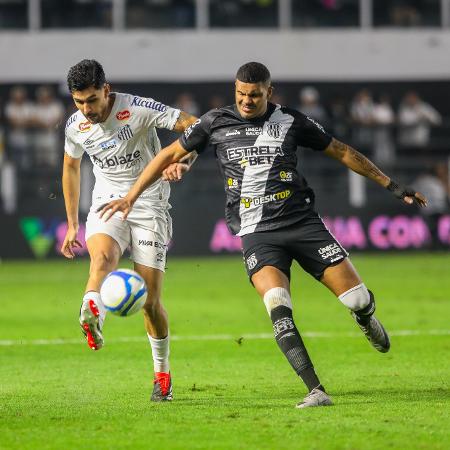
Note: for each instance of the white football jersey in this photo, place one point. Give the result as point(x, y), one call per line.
point(122, 145)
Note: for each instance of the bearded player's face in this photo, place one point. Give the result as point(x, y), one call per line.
point(93, 103)
point(252, 98)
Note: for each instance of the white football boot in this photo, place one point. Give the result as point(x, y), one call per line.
point(315, 398)
point(91, 324)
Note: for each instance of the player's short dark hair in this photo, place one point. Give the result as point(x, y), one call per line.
point(85, 74)
point(253, 72)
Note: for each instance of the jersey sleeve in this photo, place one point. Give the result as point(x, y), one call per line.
point(311, 134)
point(196, 136)
point(71, 147)
point(156, 114)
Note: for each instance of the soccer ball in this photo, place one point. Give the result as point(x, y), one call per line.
point(123, 292)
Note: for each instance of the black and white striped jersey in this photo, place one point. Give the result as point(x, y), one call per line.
point(258, 161)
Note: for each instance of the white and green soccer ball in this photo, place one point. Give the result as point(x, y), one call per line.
point(123, 292)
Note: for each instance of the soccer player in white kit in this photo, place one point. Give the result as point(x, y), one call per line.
point(118, 133)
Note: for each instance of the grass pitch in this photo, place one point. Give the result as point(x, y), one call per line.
point(233, 388)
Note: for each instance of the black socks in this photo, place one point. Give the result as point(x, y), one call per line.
point(291, 344)
point(363, 315)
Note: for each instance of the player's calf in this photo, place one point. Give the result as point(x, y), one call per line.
point(279, 307)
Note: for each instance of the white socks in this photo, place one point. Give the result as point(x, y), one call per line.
point(276, 297)
point(160, 352)
point(92, 295)
point(356, 298)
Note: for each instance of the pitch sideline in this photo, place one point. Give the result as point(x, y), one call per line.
point(220, 337)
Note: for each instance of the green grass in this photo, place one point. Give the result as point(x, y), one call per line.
point(227, 396)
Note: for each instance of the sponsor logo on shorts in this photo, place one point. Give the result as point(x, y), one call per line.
point(154, 244)
point(274, 129)
point(84, 126)
point(123, 115)
point(233, 133)
point(252, 261)
point(332, 251)
point(125, 133)
point(285, 176)
point(256, 201)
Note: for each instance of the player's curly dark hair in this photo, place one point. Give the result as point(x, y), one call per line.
point(85, 74)
point(253, 72)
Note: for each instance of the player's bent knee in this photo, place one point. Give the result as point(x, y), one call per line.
point(102, 262)
point(277, 297)
point(356, 298)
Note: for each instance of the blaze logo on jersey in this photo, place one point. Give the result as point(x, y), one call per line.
point(129, 160)
point(84, 126)
point(274, 129)
point(125, 133)
point(122, 115)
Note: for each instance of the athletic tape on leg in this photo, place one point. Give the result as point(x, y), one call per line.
point(356, 298)
point(277, 297)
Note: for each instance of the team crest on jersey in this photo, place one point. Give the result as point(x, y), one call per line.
point(84, 126)
point(123, 115)
point(125, 133)
point(274, 129)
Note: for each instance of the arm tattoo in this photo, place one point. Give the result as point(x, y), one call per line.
point(184, 120)
point(364, 166)
point(357, 162)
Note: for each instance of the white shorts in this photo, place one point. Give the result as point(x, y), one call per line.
point(147, 231)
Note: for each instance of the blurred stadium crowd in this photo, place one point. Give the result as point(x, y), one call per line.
point(220, 13)
point(402, 127)
point(32, 134)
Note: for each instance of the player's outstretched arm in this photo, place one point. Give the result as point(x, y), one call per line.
point(184, 121)
point(174, 172)
point(71, 191)
point(168, 155)
point(362, 165)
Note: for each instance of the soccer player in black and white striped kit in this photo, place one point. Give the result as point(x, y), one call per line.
point(270, 205)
